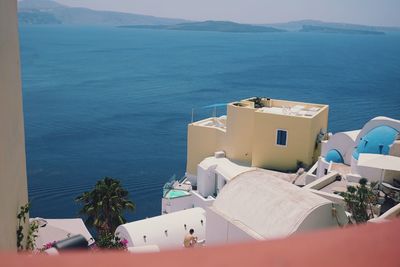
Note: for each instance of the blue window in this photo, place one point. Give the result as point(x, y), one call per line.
point(281, 137)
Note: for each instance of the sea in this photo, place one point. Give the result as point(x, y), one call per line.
point(109, 101)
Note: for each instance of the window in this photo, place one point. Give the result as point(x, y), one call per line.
point(281, 137)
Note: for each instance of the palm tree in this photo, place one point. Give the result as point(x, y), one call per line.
point(105, 205)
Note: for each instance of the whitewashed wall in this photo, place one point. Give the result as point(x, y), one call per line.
point(176, 204)
point(206, 181)
point(165, 231)
point(344, 142)
point(200, 201)
point(221, 231)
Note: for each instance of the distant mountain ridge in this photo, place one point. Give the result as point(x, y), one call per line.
point(324, 29)
point(298, 26)
point(218, 26)
point(51, 12)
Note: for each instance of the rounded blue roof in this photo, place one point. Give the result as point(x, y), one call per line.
point(376, 141)
point(334, 155)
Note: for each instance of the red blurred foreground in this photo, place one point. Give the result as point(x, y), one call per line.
point(368, 245)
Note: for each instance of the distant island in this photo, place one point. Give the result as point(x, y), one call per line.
point(324, 29)
point(217, 26)
point(34, 12)
point(47, 12)
point(297, 26)
point(37, 18)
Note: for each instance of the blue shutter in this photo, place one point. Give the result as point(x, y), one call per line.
point(281, 137)
point(278, 138)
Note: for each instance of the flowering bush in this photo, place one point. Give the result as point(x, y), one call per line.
point(124, 242)
point(47, 246)
point(109, 241)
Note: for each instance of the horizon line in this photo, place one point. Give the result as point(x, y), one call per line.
point(235, 21)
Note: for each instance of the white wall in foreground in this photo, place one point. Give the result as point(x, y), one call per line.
point(13, 184)
point(221, 231)
point(176, 204)
point(165, 231)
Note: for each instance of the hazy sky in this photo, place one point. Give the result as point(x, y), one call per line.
point(370, 12)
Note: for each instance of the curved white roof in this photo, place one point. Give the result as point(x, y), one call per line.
point(224, 166)
point(378, 121)
point(344, 142)
point(165, 231)
point(271, 207)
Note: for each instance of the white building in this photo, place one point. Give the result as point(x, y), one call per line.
point(372, 152)
point(165, 231)
point(342, 151)
point(213, 174)
point(257, 205)
point(242, 202)
point(250, 204)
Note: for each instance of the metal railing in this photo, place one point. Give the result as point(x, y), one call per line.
point(214, 108)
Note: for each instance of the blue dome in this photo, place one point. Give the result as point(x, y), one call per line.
point(376, 141)
point(334, 155)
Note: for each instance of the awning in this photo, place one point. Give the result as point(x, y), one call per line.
point(378, 161)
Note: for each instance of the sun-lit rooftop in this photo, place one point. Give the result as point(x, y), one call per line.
point(214, 122)
point(281, 107)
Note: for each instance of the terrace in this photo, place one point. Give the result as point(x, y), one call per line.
point(331, 185)
point(213, 122)
point(281, 107)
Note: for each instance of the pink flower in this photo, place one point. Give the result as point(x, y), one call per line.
point(124, 242)
point(49, 245)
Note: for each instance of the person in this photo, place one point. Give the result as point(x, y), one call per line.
point(190, 239)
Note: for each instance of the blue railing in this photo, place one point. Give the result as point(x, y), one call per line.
point(213, 106)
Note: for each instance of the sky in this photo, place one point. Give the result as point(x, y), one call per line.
point(367, 12)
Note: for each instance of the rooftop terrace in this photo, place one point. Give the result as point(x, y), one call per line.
point(281, 107)
point(214, 122)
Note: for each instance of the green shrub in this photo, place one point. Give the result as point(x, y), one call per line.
point(359, 200)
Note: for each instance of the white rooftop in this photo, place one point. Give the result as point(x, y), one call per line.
point(260, 203)
point(165, 231)
point(224, 166)
point(297, 110)
point(214, 122)
point(378, 161)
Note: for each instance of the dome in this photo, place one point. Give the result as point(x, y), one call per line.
point(334, 156)
point(376, 141)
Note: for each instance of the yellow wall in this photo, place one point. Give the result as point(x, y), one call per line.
point(302, 133)
point(13, 184)
point(266, 154)
point(239, 134)
point(250, 137)
point(320, 121)
point(202, 142)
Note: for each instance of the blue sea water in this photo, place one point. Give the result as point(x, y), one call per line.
point(105, 101)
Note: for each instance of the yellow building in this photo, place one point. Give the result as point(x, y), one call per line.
point(260, 132)
point(13, 183)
